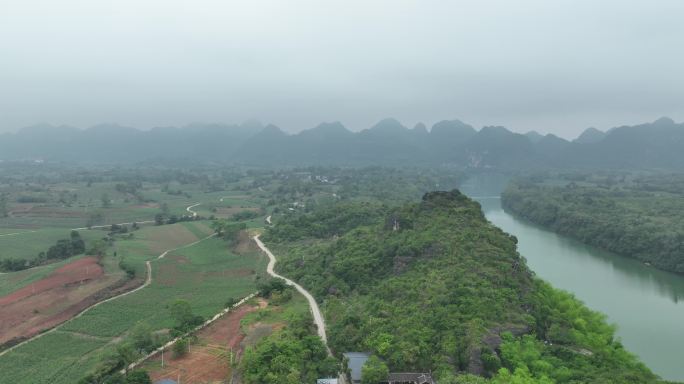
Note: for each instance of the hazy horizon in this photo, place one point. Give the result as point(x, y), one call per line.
point(294, 132)
point(553, 67)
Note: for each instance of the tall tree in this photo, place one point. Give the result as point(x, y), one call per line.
point(374, 371)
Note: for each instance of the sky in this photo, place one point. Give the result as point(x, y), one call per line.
point(555, 66)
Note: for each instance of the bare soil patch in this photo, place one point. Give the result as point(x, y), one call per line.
point(245, 243)
point(55, 299)
point(209, 359)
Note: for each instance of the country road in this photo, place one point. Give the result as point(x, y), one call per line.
point(109, 225)
point(16, 233)
point(315, 311)
point(189, 209)
point(148, 281)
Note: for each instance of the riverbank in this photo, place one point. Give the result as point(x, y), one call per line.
point(646, 304)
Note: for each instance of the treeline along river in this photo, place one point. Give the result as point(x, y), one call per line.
point(646, 304)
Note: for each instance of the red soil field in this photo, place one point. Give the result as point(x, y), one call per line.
point(208, 360)
point(52, 300)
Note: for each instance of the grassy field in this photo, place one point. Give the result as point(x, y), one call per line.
point(206, 274)
point(10, 282)
point(38, 213)
point(28, 245)
point(71, 205)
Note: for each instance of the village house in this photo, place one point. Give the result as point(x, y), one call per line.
point(354, 362)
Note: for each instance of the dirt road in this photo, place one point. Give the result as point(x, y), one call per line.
point(318, 318)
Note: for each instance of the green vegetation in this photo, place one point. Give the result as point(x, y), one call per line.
point(635, 215)
point(203, 275)
point(427, 286)
point(64, 249)
point(227, 230)
point(28, 244)
point(292, 355)
point(184, 319)
point(433, 286)
point(180, 348)
point(374, 371)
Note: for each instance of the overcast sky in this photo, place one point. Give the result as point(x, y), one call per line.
point(554, 66)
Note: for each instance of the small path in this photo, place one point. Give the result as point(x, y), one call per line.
point(189, 209)
point(109, 225)
point(148, 281)
point(315, 311)
point(17, 233)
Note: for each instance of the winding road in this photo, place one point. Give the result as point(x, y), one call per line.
point(315, 311)
point(189, 209)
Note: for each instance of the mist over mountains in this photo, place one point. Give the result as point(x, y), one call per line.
point(659, 144)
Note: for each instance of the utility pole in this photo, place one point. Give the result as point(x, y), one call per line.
point(162, 357)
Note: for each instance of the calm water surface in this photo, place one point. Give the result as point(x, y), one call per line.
point(646, 304)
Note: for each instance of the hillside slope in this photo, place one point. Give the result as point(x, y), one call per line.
point(432, 286)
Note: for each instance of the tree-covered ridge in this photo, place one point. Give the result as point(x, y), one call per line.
point(432, 286)
point(639, 217)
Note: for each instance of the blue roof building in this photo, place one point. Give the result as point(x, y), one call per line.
point(354, 361)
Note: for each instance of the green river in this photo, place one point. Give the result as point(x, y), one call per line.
point(646, 304)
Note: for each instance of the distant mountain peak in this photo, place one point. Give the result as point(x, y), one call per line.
point(272, 130)
point(111, 128)
point(664, 121)
point(534, 136)
point(420, 128)
point(326, 129)
point(495, 129)
point(331, 126)
point(388, 125)
point(590, 135)
point(252, 124)
point(452, 125)
point(550, 137)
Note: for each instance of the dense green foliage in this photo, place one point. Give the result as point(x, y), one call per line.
point(433, 286)
point(184, 320)
point(227, 230)
point(374, 371)
point(635, 216)
point(327, 221)
point(291, 356)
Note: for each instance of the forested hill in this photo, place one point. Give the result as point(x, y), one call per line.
point(638, 216)
point(433, 287)
point(450, 143)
